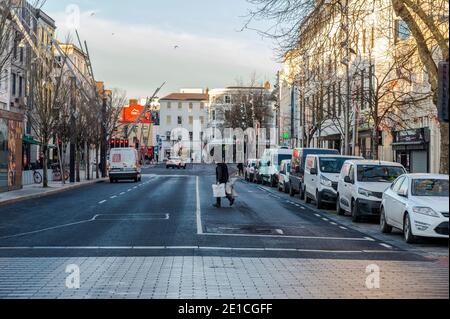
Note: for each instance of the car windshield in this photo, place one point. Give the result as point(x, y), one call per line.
point(377, 173)
point(283, 158)
point(430, 187)
point(332, 165)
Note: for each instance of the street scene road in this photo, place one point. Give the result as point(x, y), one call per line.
point(162, 238)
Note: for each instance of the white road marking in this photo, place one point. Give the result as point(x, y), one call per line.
point(123, 193)
point(333, 223)
point(342, 227)
point(112, 197)
point(369, 239)
point(302, 207)
point(103, 201)
point(197, 248)
point(49, 228)
point(290, 237)
point(198, 211)
point(317, 215)
point(325, 219)
point(386, 246)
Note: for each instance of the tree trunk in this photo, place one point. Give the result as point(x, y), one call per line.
point(77, 164)
point(88, 162)
point(444, 169)
point(97, 175)
point(44, 165)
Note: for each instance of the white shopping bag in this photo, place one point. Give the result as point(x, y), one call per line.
point(219, 190)
point(230, 189)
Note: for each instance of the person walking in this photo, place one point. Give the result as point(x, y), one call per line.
point(241, 169)
point(222, 177)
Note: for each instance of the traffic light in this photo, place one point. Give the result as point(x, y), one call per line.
point(443, 92)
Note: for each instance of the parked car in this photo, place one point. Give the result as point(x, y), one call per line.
point(418, 204)
point(261, 169)
point(283, 176)
point(124, 164)
point(273, 158)
point(249, 169)
point(298, 163)
point(322, 176)
point(175, 162)
point(362, 184)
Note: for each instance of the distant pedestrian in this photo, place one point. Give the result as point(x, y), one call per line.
point(240, 169)
point(222, 177)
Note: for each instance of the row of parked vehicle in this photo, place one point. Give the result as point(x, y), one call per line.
point(417, 204)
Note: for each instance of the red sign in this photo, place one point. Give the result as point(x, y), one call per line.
point(131, 114)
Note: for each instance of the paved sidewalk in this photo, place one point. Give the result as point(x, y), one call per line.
point(219, 278)
point(37, 191)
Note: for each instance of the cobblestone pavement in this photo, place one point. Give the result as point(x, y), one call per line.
point(219, 277)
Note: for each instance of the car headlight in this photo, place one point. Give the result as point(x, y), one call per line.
point(425, 211)
point(365, 192)
point(325, 181)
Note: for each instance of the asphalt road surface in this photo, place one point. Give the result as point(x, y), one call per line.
point(170, 215)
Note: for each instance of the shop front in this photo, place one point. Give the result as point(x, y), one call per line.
point(10, 151)
point(412, 149)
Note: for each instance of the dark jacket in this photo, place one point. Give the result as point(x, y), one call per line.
point(222, 175)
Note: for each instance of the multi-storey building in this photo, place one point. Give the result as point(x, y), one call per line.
point(361, 87)
point(181, 111)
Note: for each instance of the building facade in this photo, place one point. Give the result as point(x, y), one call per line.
point(181, 111)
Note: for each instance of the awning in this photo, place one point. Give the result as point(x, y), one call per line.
point(28, 139)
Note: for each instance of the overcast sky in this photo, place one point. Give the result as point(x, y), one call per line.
point(132, 42)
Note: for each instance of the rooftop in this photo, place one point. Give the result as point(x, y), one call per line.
point(186, 97)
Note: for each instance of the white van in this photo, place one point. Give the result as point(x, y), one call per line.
point(273, 158)
point(322, 176)
point(362, 184)
point(124, 164)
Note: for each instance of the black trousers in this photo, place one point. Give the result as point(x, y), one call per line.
point(219, 200)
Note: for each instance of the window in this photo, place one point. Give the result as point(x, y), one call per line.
point(402, 31)
point(191, 120)
point(180, 105)
point(213, 115)
point(202, 120)
point(13, 86)
point(169, 120)
point(169, 105)
point(191, 107)
point(20, 86)
point(3, 154)
point(396, 186)
point(227, 99)
point(180, 120)
point(202, 105)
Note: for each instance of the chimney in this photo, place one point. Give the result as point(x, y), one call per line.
point(133, 101)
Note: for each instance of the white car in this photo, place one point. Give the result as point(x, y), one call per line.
point(321, 177)
point(283, 176)
point(273, 158)
point(418, 204)
point(362, 184)
point(175, 162)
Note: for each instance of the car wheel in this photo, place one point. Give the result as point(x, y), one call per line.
point(355, 212)
point(385, 228)
point(286, 188)
point(111, 180)
point(339, 209)
point(302, 193)
point(307, 199)
point(407, 231)
point(291, 191)
point(319, 203)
